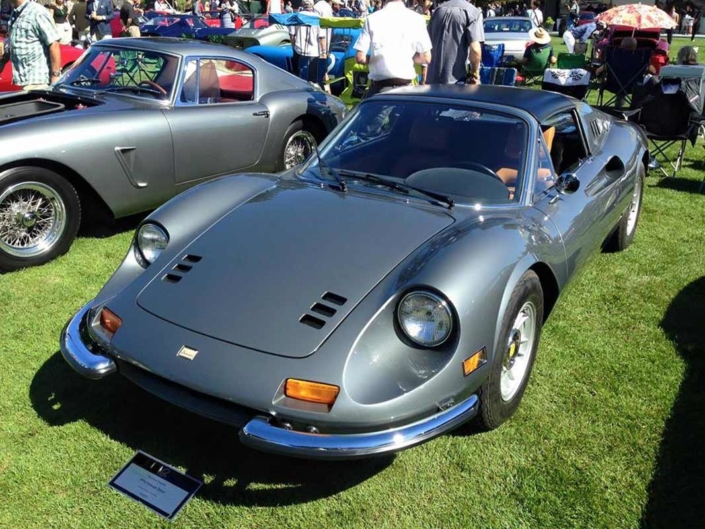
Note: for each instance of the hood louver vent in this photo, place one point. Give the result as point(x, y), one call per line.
point(323, 310)
point(182, 268)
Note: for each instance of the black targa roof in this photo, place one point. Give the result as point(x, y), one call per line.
point(539, 103)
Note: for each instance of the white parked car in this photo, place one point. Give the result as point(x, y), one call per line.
point(513, 32)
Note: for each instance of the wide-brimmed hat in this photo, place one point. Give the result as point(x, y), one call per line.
point(539, 36)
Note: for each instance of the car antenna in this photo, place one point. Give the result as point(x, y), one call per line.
point(325, 170)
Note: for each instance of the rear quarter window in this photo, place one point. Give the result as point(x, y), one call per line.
point(597, 125)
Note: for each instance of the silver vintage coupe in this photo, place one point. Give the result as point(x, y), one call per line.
point(384, 293)
point(135, 122)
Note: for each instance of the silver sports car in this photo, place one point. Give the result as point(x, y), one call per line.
point(135, 122)
point(387, 291)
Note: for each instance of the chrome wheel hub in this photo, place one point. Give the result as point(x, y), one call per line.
point(299, 147)
point(519, 349)
point(32, 219)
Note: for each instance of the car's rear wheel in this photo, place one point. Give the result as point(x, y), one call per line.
point(626, 229)
point(39, 217)
point(299, 143)
point(513, 360)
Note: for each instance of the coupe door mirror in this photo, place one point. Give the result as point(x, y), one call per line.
point(567, 184)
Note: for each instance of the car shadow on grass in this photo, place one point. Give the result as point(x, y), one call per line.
point(207, 450)
point(676, 489)
point(96, 227)
point(685, 185)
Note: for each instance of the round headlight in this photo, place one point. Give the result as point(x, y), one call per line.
point(425, 318)
point(151, 241)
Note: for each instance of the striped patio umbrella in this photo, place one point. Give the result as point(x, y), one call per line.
point(637, 16)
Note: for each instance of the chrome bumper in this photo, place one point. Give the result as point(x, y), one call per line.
point(261, 435)
point(78, 356)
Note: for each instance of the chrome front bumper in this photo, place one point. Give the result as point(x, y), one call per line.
point(261, 435)
point(78, 356)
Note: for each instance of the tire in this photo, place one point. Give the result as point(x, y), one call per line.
point(623, 234)
point(297, 132)
point(39, 217)
point(500, 395)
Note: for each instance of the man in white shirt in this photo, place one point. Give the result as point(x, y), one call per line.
point(323, 9)
point(274, 7)
point(535, 14)
point(397, 39)
point(307, 42)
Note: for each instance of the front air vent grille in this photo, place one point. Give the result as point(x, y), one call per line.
point(335, 299)
point(323, 310)
point(312, 321)
point(181, 268)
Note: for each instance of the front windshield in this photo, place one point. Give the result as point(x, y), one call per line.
point(469, 154)
point(257, 23)
point(507, 25)
point(146, 74)
point(192, 22)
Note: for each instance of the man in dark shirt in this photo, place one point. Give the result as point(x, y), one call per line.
point(128, 16)
point(99, 13)
point(456, 34)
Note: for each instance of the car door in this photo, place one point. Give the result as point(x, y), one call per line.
point(585, 217)
point(217, 125)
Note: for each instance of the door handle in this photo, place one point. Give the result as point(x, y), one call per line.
point(264, 113)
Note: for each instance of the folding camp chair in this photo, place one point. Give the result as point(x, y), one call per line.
point(492, 54)
point(498, 76)
point(537, 63)
point(669, 117)
point(573, 82)
point(624, 69)
point(568, 61)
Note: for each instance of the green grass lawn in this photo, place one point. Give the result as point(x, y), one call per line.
point(610, 433)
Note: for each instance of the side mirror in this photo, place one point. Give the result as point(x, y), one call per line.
point(567, 184)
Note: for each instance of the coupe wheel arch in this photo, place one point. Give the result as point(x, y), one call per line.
point(314, 125)
point(92, 204)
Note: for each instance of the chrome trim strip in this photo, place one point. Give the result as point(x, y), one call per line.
point(261, 435)
point(78, 356)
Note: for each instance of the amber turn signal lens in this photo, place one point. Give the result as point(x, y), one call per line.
point(311, 391)
point(475, 361)
point(109, 321)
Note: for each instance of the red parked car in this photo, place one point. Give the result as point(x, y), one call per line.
point(69, 54)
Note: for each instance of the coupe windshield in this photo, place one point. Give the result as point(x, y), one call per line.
point(507, 25)
point(470, 155)
point(191, 22)
point(139, 73)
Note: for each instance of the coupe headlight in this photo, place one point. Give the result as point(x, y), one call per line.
point(425, 318)
point(151, 242)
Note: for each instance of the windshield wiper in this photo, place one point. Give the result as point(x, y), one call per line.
point(133, 89)
point(327, 172)
point(402, 187)
point(85, 81)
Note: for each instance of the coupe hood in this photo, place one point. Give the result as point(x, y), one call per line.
point(280, 272)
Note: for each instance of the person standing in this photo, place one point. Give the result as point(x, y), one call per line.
point(32, 46)
point(129, 19)
point(289, 8)
point(227, 14)
point(397, 39)
point(60, 13)
point(535, 14)
point(456, 35)
point(323, 8)
point(696, 23)
point(78, 19)
point(213, 6)
point(274, 7)
point(307, 42)
point(99, 13)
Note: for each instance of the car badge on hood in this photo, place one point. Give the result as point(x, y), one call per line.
point(187, 353)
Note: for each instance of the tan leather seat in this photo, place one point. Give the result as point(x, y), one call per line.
point(428, 144)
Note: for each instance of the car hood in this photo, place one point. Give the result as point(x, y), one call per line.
point(267, 264)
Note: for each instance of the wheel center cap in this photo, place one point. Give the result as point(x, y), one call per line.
point(28, 219)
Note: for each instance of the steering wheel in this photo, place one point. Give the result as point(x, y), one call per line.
point(474, 166)
point(152, 84)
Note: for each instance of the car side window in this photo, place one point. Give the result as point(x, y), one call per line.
point(217, 81)
point(567, 148)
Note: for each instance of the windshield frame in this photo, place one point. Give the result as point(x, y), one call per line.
point(522, 195)
point(104, 46)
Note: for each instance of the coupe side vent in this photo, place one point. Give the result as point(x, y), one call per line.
point(181, 268)
point(335, 299)
point(171, 278)
point(323, 310)
point(312, 321)
point(192, 258)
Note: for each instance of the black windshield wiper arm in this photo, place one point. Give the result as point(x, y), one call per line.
point(403, 187)
point(325, 169)
point(132, 89)
point(86, 81)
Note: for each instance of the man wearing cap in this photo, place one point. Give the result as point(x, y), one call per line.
point(540, 40)
point(456, 35)
point(397, 39)
point(307, 42)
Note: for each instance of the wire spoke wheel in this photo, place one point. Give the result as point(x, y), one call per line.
point(299, 147)
point(519, 350)
point(32, 219)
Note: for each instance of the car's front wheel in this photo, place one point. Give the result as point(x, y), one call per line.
point(299, 144)
point(39, 217)
point(513, 360)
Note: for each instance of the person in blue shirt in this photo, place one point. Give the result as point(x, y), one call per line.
point(581, 34)
point(99, 13)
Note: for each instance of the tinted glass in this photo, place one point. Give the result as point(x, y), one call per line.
point(507, 25)
point(471, 154)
